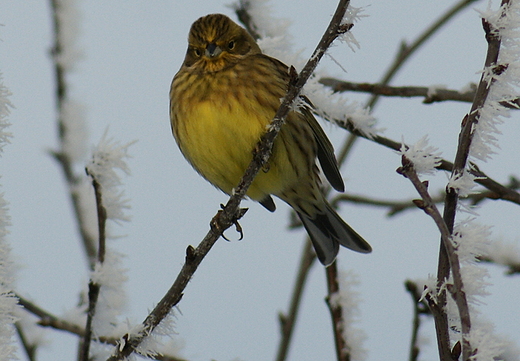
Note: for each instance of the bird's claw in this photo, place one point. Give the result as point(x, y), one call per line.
point(215, 223)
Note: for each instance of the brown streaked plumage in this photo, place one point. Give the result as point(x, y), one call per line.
point(221, 102)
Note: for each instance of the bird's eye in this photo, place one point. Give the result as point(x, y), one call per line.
point(231, 45)
point(197, 52)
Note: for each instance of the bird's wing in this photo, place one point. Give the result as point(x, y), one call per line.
point(326, 156)
point(328, 161)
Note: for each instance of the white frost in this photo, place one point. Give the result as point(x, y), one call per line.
point(74, 143)
point(107, 158)
point(111, 277)
point(423, 156)
point(8, 301)
point(349, 300)
point(68, 21)
point(503, 78)
point(276, 42)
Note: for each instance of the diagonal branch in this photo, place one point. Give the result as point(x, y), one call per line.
point(231, 212)
point(47, 319)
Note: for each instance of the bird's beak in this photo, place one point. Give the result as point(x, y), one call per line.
point(212, 50)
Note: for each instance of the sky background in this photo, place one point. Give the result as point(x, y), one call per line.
point(131, 51)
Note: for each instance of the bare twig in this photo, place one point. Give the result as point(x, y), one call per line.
point(430, 94)
point(231, 212)
point(63, 159)
point(457, 289)
point(287, 321)
point(93, 287)
point(511, 268)
point(500, 191)
point(420, 307)
point(395, 207)
point(29, 348)
point(49, 320)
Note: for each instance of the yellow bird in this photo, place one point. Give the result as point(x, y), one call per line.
point(221, 102)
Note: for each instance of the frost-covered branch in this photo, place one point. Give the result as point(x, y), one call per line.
point(336, 313)
point(106, 277)
point(343, 302)
point(231, 212)
point(8, 301)
point(499, 191)
point(71, 124)
point(47, 319)
point(93, 287)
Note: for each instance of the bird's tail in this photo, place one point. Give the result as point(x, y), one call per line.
point(327, 231)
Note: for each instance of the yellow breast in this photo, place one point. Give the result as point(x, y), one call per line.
point(218, 138)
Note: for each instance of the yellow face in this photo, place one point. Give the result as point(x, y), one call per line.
point(216, 43)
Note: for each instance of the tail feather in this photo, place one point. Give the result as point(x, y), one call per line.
point(327, 231)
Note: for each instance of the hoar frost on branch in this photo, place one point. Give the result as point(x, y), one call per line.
point(276, 42)
point(8, 301)
point(348, 299)
point(108, 159)
point(472, 240)
point(423, 156)
point(503, 79)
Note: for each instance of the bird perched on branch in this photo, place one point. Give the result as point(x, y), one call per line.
point(221, 102)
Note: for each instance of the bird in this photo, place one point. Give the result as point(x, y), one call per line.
point(222, 101)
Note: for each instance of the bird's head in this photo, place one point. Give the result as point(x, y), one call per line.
point(216, 43)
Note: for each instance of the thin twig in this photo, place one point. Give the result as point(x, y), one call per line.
point(231, 212)
point(288, 321)
point(29, 348)
point(49, 320)
point(420, 307)
point(63, 159)
point(396, 207)
point(457, 290)
point(501, 192)
point(430, 94)
point(512, 268)
point(447, 256)
point(94, 288)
